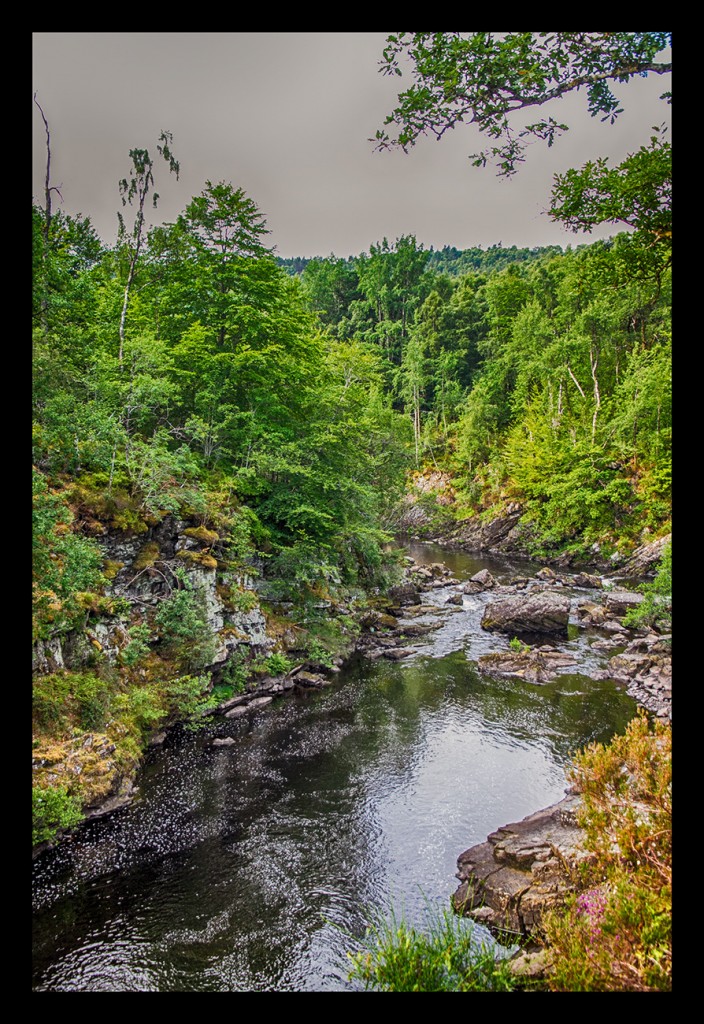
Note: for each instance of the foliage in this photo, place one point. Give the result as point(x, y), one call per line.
point(518, 645)
point(137, 646)
point(656, 609)
point(234, 673)
point(182, 624)
point(277, 664)
point(64, 699)
point(483, 78)
point(189, 696)
point(53, 810)
point(65, 565)
point(448, 957)
point(616, 934)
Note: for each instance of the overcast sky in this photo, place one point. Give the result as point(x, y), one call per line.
point(287, 117)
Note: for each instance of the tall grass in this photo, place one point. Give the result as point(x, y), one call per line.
point(447, 957)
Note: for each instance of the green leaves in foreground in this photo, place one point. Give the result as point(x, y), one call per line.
point(447, 958)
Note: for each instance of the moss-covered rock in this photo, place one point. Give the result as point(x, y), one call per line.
point(203, 535)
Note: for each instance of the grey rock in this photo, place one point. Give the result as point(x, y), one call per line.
point(535, 666)
point(532, 613)
point(521, 871)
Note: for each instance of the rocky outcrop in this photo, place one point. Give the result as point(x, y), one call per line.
point(538, 665)
point(644, 560)
point(545, 612)
point(645, 666)
point(521, 871)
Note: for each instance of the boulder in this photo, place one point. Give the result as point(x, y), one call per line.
point(545, 612)
point(404, 593)
point(618, 602)
point(584, 579)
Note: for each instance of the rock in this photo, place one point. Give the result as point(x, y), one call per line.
point(233, 702)
point(484, 577)
point(396, 653)
point(644, 560)
point(236, 712)
point(535, 666)
point(157, 739)
point(454, 599)
point(645, 666)
point(618, 602)
point(583, 579)
point(531, 965)
point(521, 871)
point(533, 613)
point(416, 628)
point(309, 679)
point(592, 614)
point(227, 741)
point(482, 580)
point(404, 593)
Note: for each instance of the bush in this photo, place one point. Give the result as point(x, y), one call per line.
point(616, 933)
point(52, 810)
point(449, 958)
point(656, 609)
point(182, 623)
point(63, 699)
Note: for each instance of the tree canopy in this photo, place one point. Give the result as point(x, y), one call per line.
point(483, 77)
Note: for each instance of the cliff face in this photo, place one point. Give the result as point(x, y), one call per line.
point(147, 569)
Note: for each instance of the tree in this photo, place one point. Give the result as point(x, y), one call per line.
point(484, 77)
point(138, 187)
point(637, 193)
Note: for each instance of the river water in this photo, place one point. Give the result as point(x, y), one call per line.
point(256, 867)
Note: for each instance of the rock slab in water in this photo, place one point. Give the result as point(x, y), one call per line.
point(521, 871)
point(545, 612)
point(535, 666)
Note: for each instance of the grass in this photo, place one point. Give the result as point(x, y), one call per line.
point(447, 957)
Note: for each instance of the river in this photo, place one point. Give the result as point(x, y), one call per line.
point(255, 867)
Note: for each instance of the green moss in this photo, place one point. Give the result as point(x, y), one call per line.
point(111, 568)
point(236, 599)
point(202, 534)
point(198, 558)
point(147, 555)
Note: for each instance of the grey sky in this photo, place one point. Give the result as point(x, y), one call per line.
point(286, 116)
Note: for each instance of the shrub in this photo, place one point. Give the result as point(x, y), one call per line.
point(183, 626)
point(137, 646)
point(616, 933)
point(52, 810)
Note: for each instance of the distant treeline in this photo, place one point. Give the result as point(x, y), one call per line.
point(450, 260)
